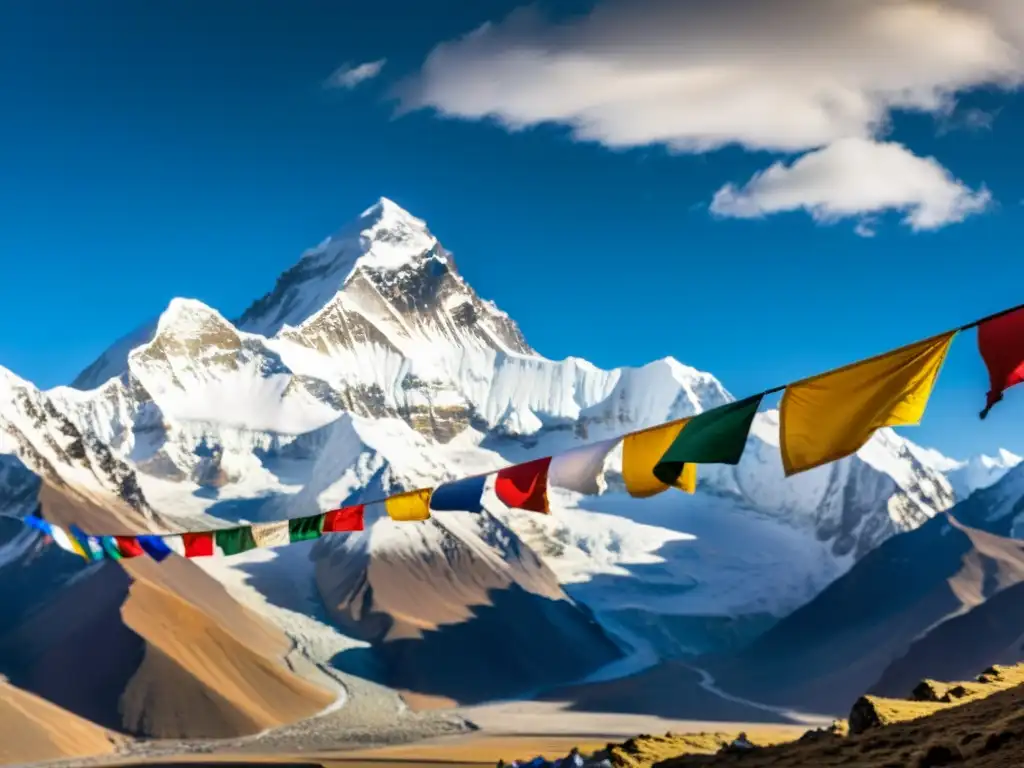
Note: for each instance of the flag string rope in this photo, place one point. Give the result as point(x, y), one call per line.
point(758, 396)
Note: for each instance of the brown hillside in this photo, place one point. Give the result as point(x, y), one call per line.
point(154, 649)
point(32, 729)
point(206, 674)
point(473, 625)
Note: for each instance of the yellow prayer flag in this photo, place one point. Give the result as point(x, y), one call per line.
point(834, 414)
point(409, 507)
point(641, 451)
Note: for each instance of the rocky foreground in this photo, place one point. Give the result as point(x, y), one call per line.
point(977, 723)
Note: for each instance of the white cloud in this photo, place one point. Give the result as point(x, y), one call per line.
point(856, 178)
point(973, 120)
point(770, 74)
point(347, 76)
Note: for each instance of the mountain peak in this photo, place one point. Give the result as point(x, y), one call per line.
point(384, 240)
point(386, 209)
point(187, 317)
point(384, 237)
point(1008, 459)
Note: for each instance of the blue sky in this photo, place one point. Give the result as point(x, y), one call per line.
point(159, 149)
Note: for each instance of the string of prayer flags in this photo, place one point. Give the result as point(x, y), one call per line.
point(641, 453)
point(459, 495)
point(717, 436)
point(1001, 344)
point(409, 507)
point(580, 469)
point(345, 520)
point(822, 419)
point(267, 535)
point(524, 486)
point(832, 415)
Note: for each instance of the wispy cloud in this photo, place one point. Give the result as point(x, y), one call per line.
point(767, 74)
point(348, 76)
point(783, 75)
point(973, 120)
point(856, 178)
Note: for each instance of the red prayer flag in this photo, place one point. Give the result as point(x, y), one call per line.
point(525, 486)
point(198, 544)
point(344, 519)
point(128, 546)
point(1001, 343)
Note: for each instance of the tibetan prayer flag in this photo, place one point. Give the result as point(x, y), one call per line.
point(109, 545)
point(198, 544)
point(832, 415)
point(68, 543)
point(128, 546)
point(525, 486)
point(175, 542)
point(580, 469)
point(345, 520)
point(271, 534)
point(305, 528)
point(409, 507)
point(459, 496)
point(717, 436)
point(1001, 343)
point(155, 547)
point(57, 535)
point(39, 524)
point(90, 544)
point(234, 541)
point(641, 452)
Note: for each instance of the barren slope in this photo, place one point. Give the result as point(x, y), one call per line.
point(154, 649)
point(459, 617)
point(32, 729)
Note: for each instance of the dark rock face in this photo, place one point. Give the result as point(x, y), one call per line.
point(445, 621)
point(70, 446)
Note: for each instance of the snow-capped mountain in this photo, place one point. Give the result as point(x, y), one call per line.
point(373, 364)
point(981, 472)
point(972, 475)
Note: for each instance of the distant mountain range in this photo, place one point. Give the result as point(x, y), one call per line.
point(373, 366)
point(940, 601)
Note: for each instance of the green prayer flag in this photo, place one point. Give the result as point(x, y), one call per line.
point(234, 541)
point(717, 436)
point(109, 545)
point(305, 528)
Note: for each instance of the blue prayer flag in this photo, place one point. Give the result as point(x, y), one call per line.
point(39, 524)
point(459, 496)
point(155, 547)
